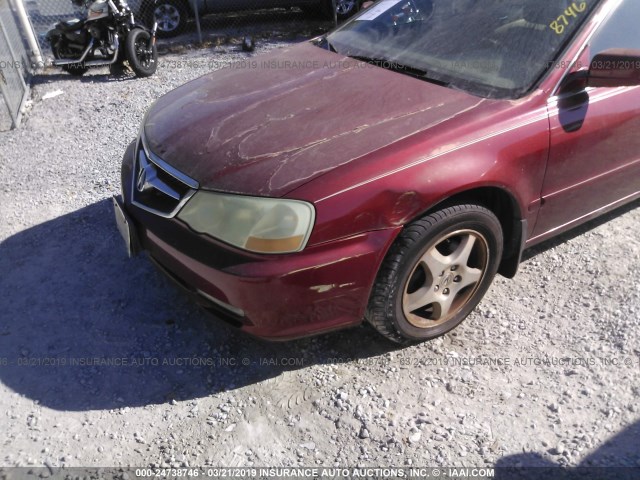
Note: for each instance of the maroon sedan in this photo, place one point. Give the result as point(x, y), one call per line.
point(388, 170)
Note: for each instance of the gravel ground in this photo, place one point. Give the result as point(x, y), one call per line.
point(544, 372)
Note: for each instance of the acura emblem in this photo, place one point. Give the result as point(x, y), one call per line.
point(147, 173)
point(148, 179)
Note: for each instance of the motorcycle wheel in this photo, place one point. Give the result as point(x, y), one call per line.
point(142, 59)
point(75, 69)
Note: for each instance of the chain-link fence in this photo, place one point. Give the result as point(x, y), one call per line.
point(24, 24)
point(202, 20)
point(45, 13)
point(179, 16)
point(16, 62)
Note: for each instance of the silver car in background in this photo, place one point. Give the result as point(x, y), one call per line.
point(172, 15)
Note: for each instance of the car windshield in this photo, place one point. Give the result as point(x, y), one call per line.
point(491, 48)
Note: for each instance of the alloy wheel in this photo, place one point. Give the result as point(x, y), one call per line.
point(445, 278)
point(167, 16)
point(344, 8)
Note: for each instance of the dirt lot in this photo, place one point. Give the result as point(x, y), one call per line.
point(544, 372)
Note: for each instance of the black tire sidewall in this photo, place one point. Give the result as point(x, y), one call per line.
point(479, 220)
point(130, 50)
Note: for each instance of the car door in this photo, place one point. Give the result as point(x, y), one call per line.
point(239, 5)
point(594, 157)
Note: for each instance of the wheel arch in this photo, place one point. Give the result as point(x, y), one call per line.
point(505, 206)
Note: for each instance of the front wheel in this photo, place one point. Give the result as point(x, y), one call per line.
point(436, 273)
point(142, 57)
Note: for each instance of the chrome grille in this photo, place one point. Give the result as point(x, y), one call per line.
point(157, 186)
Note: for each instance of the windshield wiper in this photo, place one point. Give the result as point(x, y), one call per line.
point(401, 68)
point(323, 42)
point(392, 65)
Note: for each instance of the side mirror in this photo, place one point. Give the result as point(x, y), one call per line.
point(615, 68)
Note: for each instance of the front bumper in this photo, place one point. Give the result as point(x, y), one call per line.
point(322, 288)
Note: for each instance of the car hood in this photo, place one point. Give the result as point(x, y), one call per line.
point(269, 124)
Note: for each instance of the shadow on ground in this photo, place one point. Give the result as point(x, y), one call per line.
point(579, 230)
point(55, 75)
point(618, 458)
point(72, 301)
point(84, 328)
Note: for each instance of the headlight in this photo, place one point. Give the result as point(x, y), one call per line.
point(264, 225)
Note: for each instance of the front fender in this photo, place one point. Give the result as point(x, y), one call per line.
point(141, 27)
point(505, 148)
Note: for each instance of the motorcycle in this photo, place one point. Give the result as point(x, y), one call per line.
point(109, 35)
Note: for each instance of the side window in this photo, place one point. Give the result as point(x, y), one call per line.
point(620, 30)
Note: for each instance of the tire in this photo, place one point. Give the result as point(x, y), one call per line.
point(171, 16)
point(435, 273)
point(142, 59)
point(344, 8)
point(75, 69)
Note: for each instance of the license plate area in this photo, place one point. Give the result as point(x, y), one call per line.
point(125, 227)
